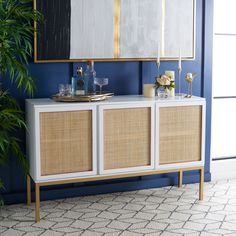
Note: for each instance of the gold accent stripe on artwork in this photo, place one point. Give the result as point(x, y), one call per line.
point(163, 27)
point(117, 29)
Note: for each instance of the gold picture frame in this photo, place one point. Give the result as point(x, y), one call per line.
point(117, 37)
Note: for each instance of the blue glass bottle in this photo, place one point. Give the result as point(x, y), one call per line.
point(78, 83)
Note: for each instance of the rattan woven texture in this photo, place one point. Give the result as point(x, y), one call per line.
point(127, 137)
point(65, 142)
point(180, 134)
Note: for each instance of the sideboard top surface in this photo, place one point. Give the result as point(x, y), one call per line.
point(132, 99)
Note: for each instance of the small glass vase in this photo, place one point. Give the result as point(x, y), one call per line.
point(162, 92)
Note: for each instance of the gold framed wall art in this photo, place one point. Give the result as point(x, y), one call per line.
point(115, 30)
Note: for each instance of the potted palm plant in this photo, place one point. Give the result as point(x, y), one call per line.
point(16, 31)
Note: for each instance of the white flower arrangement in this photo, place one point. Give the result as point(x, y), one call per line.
point(164, 81)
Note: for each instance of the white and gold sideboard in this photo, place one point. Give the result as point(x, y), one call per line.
point(124, 136)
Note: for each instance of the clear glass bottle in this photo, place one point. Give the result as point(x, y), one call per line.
point(73, 85)
point(89, 76)
point(78, 83)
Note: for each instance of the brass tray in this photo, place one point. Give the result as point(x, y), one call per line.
point(83, 98)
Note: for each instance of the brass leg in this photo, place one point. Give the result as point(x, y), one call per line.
point(37, 203)
point(180, 179)
point(28, 190)
point(201, 183)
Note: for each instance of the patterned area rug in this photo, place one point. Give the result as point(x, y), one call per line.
point(160, 211)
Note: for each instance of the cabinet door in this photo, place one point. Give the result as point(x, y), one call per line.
point(180, 134)
point(66, 142)
point(126, 141)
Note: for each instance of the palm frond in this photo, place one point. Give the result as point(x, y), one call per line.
point(16, 34)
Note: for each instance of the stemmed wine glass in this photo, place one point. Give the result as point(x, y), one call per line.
point(101, 82)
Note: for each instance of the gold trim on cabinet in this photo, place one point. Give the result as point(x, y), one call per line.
point(37, 203)
point(118, 176)
point(180, 184)
point(28, 190)
point(89, 179)
point(117, 29)
point(201, 184)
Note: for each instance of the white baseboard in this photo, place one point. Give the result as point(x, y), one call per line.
point(223, 169)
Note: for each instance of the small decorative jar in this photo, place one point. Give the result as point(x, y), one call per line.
point(162, 92)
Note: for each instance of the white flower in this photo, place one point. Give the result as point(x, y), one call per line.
point(164, 80)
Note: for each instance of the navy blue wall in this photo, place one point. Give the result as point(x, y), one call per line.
point(124, 78)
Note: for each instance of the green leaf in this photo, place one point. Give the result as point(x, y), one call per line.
point(20, 155)
point(16, 37)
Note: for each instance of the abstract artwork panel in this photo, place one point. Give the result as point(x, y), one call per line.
point(179, 28)
point(54, 34)
point(76, 29)
point(92, 29)
point(140, 28)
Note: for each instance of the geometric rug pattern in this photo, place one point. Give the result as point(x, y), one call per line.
point(168, 211)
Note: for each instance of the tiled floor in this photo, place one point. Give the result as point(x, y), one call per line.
point(164, 211)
